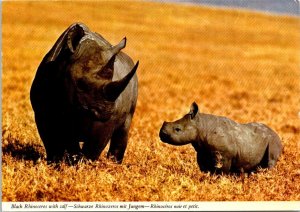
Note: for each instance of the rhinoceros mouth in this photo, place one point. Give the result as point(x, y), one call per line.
point(166, 138)
point(95, 114)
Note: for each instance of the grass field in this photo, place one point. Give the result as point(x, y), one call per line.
point(233, 63)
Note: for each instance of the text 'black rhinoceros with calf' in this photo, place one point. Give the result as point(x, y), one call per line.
point(85, 89)
point(223, 145)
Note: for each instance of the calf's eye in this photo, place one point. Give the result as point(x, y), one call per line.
point(177, 129)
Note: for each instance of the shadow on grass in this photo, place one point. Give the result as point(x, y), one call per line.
point(20, 151)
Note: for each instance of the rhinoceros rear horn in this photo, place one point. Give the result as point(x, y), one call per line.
point(69, 39)
point(108, 70)
point(117, 48)
point(113, 89)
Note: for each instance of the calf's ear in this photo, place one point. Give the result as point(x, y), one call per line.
point(193, 110)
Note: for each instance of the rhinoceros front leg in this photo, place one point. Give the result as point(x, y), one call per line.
point(119, 141)
point(96, 140)
point(54, 149)
point(118, 145)
point(204, 163)
point(93, 148)
point(204, 158)
point(57, 138)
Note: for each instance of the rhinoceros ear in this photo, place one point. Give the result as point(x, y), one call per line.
point(74, 36)
point(112, 90)
point(69, 39)
point(194, 110)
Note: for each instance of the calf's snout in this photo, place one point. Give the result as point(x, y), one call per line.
point(163, 134)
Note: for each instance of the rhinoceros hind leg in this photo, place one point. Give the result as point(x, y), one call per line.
point(269, 159)
point(265, 160)
point(275, 149)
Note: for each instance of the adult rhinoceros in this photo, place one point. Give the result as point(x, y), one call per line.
point(85, 89)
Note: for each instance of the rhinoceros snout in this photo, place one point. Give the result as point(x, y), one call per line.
point(163, 134)
point(164, 125)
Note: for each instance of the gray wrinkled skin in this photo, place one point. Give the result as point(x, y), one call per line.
point(223, 145)
point(85, 90)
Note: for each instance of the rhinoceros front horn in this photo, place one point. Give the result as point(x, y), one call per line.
point(113, 89)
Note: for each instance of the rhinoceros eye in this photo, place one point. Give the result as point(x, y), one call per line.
point(82, 85)
point(106, 73)
point(177, 129)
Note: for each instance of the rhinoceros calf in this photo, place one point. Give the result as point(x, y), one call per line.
point(223, 145)
point(85, 89)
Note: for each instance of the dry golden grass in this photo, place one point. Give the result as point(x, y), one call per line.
point(233, 63)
